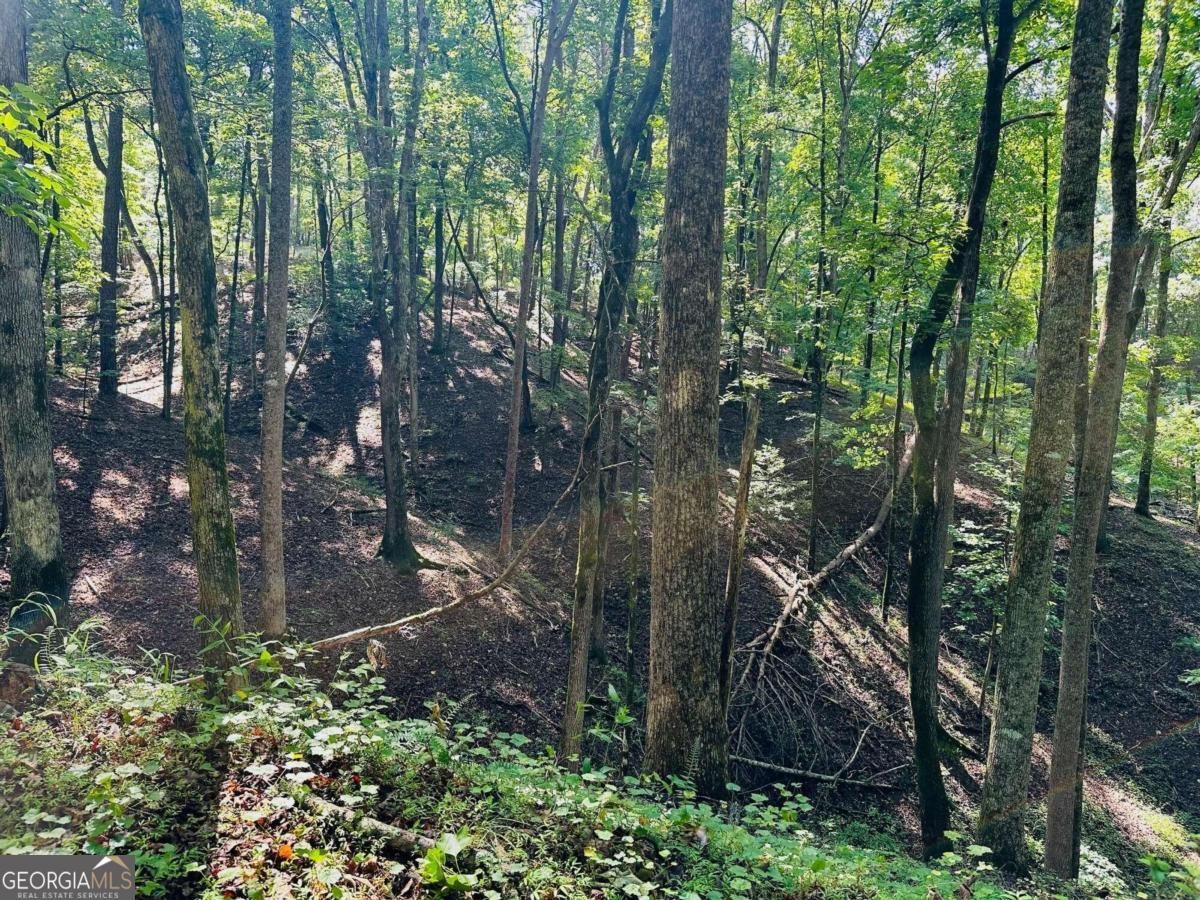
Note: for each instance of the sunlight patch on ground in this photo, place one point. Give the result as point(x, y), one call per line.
point(178, 487)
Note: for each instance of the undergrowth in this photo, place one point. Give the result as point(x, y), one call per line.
point(278, 792)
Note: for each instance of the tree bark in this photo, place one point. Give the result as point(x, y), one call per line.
point(1006, 786)
point(213, 536)
point(36, 564)
point(109, 243)
point(737, 552)
point(439, 270)
point(1154, 387)
point(273, 594)
point(619, 155)
point(935, 449)
point(687, 733)
point(1066, 768)
point(262, 193)
point(558, 21)
point(231, 334)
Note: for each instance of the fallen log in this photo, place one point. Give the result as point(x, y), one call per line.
point(814, 776)
point(398, 840)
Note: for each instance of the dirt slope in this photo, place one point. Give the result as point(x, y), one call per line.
point(834, 700)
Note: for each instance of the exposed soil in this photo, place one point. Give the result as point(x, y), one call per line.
point(834, 701)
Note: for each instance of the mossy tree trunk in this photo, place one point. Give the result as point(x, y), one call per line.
point(1066, 768)
point(1006, 786)
point(213, 536)
point(36, 565)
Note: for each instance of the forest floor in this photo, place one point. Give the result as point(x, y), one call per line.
point(834, 699)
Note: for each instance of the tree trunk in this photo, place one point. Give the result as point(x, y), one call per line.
point(1006, 786)
point(1066, 768)
point(935, 448)
point(587, 608)
point(213, 537)
point(325, 236)
point(737, 552)
point(873, 298)
point(231, 338)
point(556, 32)
point(109, 241)
point(1154, 388)
point(36, 564)
point(262, 192)
point(439, 271)
point(273, 594)
point(686, 730)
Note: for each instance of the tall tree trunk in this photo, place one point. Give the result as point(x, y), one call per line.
point(1154, 387)
point(873, 298)
point(935, 449)
point(325, 236)
point(57, 283)
point(231, 335)
point(1022, 637)
point(1066, 768)
point(109, 241)
point(273, 594)
point(213, 537)
point(439, 269)
point(262, 192)
point(557, 23)
point(741, 517)
point(619, 154)
point(408, 204)
point(36, 564)
point(686, 728)
point(558, 300)
point(172, 306)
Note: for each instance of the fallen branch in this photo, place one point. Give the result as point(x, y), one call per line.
point(803, 587)
point(814, 776)
point(399, 840)
point(370, 631)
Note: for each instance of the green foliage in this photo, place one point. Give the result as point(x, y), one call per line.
point(28, 178)
point(210, 798)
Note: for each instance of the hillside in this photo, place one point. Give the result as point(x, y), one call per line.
point(836, 687)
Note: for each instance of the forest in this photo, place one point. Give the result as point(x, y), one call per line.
point(600, 448)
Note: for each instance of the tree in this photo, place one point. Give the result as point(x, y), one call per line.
point(274, 581)
point(40, 579)
point(935, 451)
point(1068, 292)
point(620, 155)
point(558, 21)
point(685, 722)
point(1154, 387)
point(113, 191)
point(213, 538)
point(1064, 802)
point(387, 219)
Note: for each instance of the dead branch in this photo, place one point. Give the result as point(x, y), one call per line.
point(371, 631)
point(803, 587)
point(814, 776)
